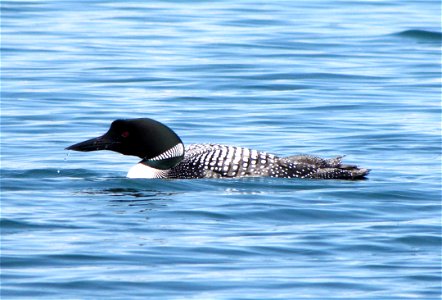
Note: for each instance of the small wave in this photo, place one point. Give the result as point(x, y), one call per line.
point(11, 226)
point(8, 223)
point(49, 173)
point(421, 34)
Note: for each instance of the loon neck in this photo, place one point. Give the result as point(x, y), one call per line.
point(166, 160)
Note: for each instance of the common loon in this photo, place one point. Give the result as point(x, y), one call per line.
point(164, 156)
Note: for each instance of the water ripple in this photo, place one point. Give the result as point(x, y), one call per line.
point(287, 77)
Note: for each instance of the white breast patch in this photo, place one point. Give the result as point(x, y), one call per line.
point(142, 171)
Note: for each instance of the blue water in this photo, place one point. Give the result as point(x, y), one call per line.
point(360, 78)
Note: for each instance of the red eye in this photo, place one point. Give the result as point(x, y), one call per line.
point(125, 134)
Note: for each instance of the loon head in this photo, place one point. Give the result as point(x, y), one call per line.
point(154, 142)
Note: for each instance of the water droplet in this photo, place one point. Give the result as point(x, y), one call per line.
point(65, 159)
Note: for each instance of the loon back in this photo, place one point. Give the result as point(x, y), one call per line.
point(163, 156)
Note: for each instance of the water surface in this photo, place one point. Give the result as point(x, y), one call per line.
point(360, 78)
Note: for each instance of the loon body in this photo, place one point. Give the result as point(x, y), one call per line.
point(164, 156)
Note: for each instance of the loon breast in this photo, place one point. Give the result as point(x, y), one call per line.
point(141, 170)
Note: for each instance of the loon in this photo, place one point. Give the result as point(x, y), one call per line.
point(163, 155)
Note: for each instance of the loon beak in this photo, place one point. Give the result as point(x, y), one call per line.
point(95, 144)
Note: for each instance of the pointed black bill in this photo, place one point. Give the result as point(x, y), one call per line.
point(95, 144)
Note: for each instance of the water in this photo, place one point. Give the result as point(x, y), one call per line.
point(360, 78)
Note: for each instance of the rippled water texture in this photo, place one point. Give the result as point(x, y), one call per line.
point(354, 78)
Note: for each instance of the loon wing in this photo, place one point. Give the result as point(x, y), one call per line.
point(326, 168)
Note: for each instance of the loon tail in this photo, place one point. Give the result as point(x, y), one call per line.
point(329, 168)
point(341, 172)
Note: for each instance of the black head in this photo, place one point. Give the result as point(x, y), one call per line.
point(154, 142)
